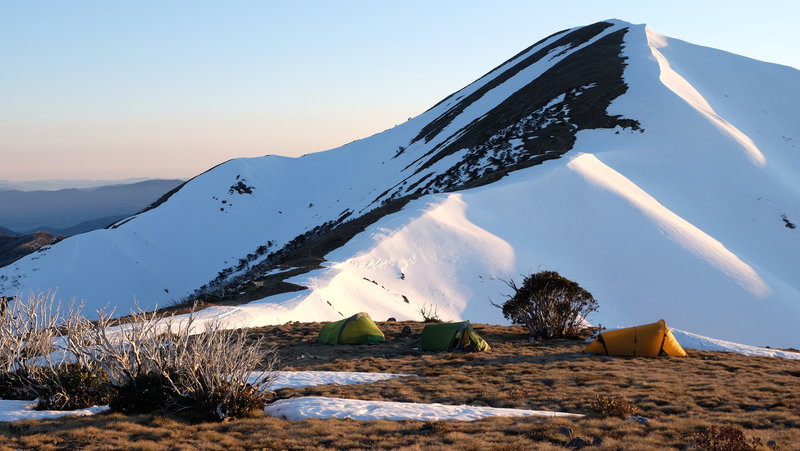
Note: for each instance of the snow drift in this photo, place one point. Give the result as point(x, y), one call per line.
point(662, 176)
point(297, 409)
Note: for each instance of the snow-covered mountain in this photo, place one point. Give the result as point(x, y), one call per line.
point(662, 176)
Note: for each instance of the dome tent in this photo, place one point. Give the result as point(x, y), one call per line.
point(358, 329)
point(451, 337)
point(649, 340)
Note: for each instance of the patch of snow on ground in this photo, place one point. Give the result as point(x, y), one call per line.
point(24, 410)
point(695, 341)
point(322, 407)
point(11, 410)
point(297, 379)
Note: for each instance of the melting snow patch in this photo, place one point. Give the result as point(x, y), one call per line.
point(24, 410)
point(322, 407)
point(695, 341)
point(296, 379)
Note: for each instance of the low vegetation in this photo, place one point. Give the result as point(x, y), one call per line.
point(155, 363)
point(202, 372)
point(430, 314)
point(685, 400)
point(724, 438)
point(613, 406)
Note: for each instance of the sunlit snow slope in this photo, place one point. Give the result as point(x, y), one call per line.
point(662, 176)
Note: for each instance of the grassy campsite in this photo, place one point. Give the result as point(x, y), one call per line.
point(686, 400)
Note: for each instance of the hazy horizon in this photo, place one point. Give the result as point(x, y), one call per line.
point(59, 184)
point(98, 90)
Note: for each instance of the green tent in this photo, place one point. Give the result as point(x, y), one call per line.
point(359, 329)
point(450, 337)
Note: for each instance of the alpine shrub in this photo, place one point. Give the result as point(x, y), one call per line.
point(549, 306)
point(202, 372)
point(15, 385)
point(430, 314)
point(70, 386)
point(152, 392)
point(724, 438)
point(607, 406)
point(229, 400)
point(146, 392)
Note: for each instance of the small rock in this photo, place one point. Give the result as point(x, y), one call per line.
point(772, 444)
point(576, 442)
point(565, 431)
point(597, 440)
point(276, 330)
point(639, 419)
point(392, 319)
point(406, 331)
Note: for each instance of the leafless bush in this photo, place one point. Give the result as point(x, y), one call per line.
point(27, 330)
point(430, 313)
point(42, 355)
point(70, 376)
point(201, 370)
point(205, 371)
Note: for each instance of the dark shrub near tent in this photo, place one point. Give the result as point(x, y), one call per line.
point(359, 329)
point(649, 340)
point(451, 337)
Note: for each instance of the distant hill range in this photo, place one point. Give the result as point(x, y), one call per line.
point(30, 220)
point(5, 231)
point(76, 210)
point(57, 184)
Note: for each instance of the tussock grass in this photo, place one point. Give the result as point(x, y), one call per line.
point(681, 397)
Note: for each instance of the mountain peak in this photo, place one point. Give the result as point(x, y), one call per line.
point(647, 211)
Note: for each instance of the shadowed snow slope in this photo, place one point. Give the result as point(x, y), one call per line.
point(662, 176)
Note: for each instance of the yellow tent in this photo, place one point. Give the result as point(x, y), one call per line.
point(649, 340)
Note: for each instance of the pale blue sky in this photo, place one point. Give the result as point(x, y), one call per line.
point(112, 89)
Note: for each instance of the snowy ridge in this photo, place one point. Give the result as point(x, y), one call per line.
point(675, 197)
point(671, 225)
point(694, 341)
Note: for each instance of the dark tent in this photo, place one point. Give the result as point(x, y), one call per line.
point(451, 337)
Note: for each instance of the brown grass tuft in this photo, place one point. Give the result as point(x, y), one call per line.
point(613, 406)
point(724, 438)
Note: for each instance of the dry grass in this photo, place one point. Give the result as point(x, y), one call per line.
point(680, 396)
